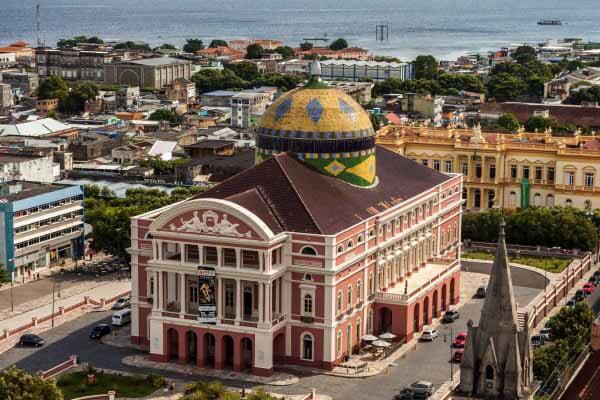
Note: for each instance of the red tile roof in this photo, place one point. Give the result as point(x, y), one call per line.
point(565, 114)
point(296, 198)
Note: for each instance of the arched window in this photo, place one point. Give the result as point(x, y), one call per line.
point(550, 201)
point(339, 344)
point(307, 347)
point(512, 199)
point(569, 203)
point(358, 330)
point(358, 291)
point(350, 244)
point(339, 302)
point(310, 251)
point(308, 304)
point(489, 373)
point(359, 239)
point(537, 200)
point(349, 297)
point(371, 233)
point(340, 249)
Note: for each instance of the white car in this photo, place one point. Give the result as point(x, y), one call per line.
point(422, 388)
point(122, 303)
point(429, 333)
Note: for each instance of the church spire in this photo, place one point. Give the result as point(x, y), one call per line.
point(499, 311)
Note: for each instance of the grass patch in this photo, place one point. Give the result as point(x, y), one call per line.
point(75, 385)
point(550, 264)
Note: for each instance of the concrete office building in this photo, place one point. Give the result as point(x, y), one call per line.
point(149, 73)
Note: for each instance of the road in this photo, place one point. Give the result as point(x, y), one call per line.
point(429, 361)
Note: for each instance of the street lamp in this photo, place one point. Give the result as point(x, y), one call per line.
point(54, 286)
point(12, 279)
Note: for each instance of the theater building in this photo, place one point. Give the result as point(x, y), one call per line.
point(327, 238)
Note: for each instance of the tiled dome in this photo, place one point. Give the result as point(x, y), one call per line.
point(323, 127)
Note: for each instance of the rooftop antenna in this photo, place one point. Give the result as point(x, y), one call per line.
point(37, 24)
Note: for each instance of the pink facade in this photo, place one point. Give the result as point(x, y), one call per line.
point(288, 297)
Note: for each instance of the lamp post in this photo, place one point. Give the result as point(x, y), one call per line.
point(12, 279)
point(54, 286)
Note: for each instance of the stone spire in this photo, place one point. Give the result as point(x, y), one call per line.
point(497, 357)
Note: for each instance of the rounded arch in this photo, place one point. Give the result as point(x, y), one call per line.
point(228, 350)
point(172, 344)
point(210, 348)
point(247, 350)
point(385, 319)
point(130, 77)
point(416, 318)
point(434, 305)
point(256, 224)
point(426, 311)
point(279, 348)
point(309, 251)
point(452, 289)
point(191, 344)
point(444, 294)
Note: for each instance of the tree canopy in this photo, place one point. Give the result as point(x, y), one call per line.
point(524, 54)
point(590, 95)
point(53, 87)
point(167, 46)
point(254, 52)
point(426, 67)
point(339, 44)
point(16, 384)
point(566, 227)
point(509, 122)
point(193, 45)
point(78, 39)
point(445, 84)
point(165, 115)
point(245, 70)
point(286, 52)
point(129, 45)
point(74, 102)
point(227, 79)
point(305, 46)
point(218, 43)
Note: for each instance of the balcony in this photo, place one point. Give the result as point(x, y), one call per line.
point(419, 282)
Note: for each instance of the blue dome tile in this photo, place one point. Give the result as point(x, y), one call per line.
point(283, 108)
point(315, 110)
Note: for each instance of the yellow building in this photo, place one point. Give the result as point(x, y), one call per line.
point(507, 170)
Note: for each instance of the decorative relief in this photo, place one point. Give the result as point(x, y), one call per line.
point(209, 223)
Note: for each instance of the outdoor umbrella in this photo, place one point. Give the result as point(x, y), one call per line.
point(387, 336)
point(381, 343)
point(369, 338)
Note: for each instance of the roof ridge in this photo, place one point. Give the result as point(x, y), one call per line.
point(296, 191)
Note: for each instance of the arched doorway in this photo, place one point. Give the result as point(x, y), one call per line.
point(247, 355)
point(227, 343)
point(209, 345)
point(434, 308)
point(385, 320)
point(444, 290)
point(452, 291)
point(279, 349)
point(191, 344)
point(416, 317)
point(173, 344)
point(426, 311)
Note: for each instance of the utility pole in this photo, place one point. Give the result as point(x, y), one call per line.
point(37, 24)
point(451, 362)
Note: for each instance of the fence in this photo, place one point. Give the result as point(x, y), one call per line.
point(61, 311)
point(469, 245)
point(111, 395)
point(60, 368)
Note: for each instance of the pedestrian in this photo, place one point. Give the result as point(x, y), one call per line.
point(29, 274)
point(38, 276)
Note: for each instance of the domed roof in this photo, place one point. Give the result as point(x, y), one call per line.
point(323, 127)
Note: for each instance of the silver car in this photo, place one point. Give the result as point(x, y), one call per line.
point(422, 387)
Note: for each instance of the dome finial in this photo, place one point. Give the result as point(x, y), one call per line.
point(314, 70)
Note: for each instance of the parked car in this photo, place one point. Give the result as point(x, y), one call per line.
point(458, 355)
point(122, 303)
point(537, 340)
point(405, 394)
point(545, 333)
point(29, 339)
point(571, 303)
point(460, 340)
point(579, 295)
point(422, 387)
point(588, 288)
point(451, 316)
point(429, 333)
point(99, 331)
point(480, 293)
point(597, 274)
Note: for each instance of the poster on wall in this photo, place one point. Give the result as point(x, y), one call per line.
point(207, 291)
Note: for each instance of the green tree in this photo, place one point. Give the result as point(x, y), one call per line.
point(505, 87)
point(53, 87)
point(129, 45)
point(193, 45)
point(218, 43)
point(376, 120)
point(286, 52)
point(78, 39)
point(524, 54)
point(538, 124)
point(254, 52)
point(426, 67)
point(305, 46)
point(245, 70)
point(16, 384)
point(165, 115)
point(590, 95)
point(209, 80)
point(167, 46)
point(509, 122)
point(281, 81)
point(3, 275)
point(74, 102)
point(339, 44)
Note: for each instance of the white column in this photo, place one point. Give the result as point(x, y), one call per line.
point(220, 256)
point(182, 290)
point(261, 302)
point(182, 253)
point(268, 300)
point(160, 291)
point(200, 254)
point(238, 299)
point(238, 258)
point(155, 291)
point(261, 260)
point(160, 249)
point(219, 297)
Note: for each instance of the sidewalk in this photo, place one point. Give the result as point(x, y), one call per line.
point(277, 379)
point(105, 291)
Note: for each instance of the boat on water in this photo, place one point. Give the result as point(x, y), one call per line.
point(549, 22)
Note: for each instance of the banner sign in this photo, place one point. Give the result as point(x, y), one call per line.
point(207, 293)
